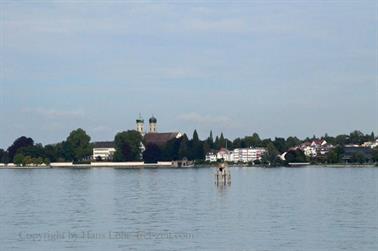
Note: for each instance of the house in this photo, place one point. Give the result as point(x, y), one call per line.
point(211, 156)
point(371, 144)
point(224, 154)
point(315, 148)
point(103, 150)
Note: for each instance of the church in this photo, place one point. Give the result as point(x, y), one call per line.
point(105, 150)
point(152, 136)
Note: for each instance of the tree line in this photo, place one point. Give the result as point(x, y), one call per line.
point(77, 147)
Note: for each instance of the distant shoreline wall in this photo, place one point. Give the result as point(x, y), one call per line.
point(136, 164)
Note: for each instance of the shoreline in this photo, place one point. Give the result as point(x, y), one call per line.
point(166, 165)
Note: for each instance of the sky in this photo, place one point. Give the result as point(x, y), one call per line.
point(278, 68)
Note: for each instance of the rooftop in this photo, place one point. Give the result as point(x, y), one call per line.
point(103, 144)
point(160, 138)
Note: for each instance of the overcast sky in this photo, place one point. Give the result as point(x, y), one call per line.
point(278, 68)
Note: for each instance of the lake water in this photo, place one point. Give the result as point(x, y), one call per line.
point(182, 209)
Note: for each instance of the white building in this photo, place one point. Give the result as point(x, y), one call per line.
point(248, 154)
point(237, 155)
point(315, 148)
point(103, 150)
point(211, 157)
point(224, 154)
point(371, 144)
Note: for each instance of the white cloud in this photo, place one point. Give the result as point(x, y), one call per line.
point(55, 114)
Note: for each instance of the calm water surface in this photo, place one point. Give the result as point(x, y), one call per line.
point(181, 209)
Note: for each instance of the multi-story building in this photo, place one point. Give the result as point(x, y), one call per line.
point(237, 155)
point(248, 154)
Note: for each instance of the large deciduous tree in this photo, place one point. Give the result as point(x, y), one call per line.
point(271, 157)
point(128, 146)
point(17, 144)
point(295, 156)
point(77, 146)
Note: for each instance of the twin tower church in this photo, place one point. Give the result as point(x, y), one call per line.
point(153, 136)
point(151, 128)
point(104, 150)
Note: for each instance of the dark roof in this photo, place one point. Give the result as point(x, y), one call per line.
point(104, 144)
point(367, 152)
point(159, 138)
point(153, 120)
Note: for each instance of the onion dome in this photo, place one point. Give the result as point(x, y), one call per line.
point(153, 120)
point(140, 119)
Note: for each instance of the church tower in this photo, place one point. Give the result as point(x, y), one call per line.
point(152, 121)
point(140, 125)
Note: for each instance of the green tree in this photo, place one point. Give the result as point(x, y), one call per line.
point(237, 143)
point(358, 158)
point(216, 143)
point(375, 154)
point(329, 139)
point(51, 152)
point(205, 148)
point(152, 154)
point(280, 144)
point(356, 137)
point(3, 156)
point(28, 160)
point(292, 142)
point(128, 146)
point(372, 136)
point(184, 148)
point(196, 147)
point(266, 142)
point(271, 157)
point(17, 144)
point(342, 139)
point(210, 140)
point(33, 151)
point(253, 141)
point(171, 150)
point(295, 156)
point(335, 155)
point(222, 141)
point(18, 159)
point(77, 146)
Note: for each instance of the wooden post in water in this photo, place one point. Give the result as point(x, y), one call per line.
point(223, 175)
